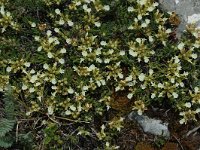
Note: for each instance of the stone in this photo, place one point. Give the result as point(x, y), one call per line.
point(188, 11)
point(150, 125)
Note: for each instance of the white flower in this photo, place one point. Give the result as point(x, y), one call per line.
point(37, 38)
point(63, 51)
point(132, 53)
point(182, 121)
point(62, 61)
point(51, 40)
point(129, 78)
point(106, 60)
point(130, 9)
point(120, 75)
point(33, 24)
point(175, 95)
point(31, 90)
point(72, 107)
point(84, 53)
point(32, 71)
point(24, 87)
point(57, 11)
point(196, 89)
point(142, 2)
point(188, 105)
point(68, 112)
point(122, 53)
point(27, 64)
point(33, 78)
point(49, 33)
point(153, 95)
point(53, 81)
point(8, 69)
point(46, 66)
point(197, 110)
point(38, 83)
point(181, 84)
point(139, 17)
point(130, 95)
point(92, 67)
point(103, 43)
point(97, 24)
point(151, 39)
point(181, 45)
point(50, 110)
point(50, 55)
point(143, 86)
point(85, 88)
point(172, 80)
point(70, 23)
point(194, 56)
point(106, 7)
point(176, 59)
point(141, 77)
point(146, 59)
point(56, 30)
point(39, 48)
point(70, 91)
point(151, 71)
point(61, 22)
point(168, 31)
point(69, 41)
point(160, 85)
point(138, 40)
point(2, 10)
point(62, 71)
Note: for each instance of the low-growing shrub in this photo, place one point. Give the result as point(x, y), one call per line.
point(65, 59)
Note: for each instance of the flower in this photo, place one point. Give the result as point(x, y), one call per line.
point(46, 66)
point(53, 81)
point(194, 56)
point(62, 61)
point(70, 23)
point(50, 110)
point(33, 24)
point(175, 95)
point(57, 11)
point(103, 43)
point(130, 9)
point(181, 45)
point(132, 53)
point(188, 105)
point(97, 24)
point(24, 87)
point(141, 77)
point(27, 64)
point(8, 69)
point(70, 91)
point(63, 51)
point(106, 7)
point(50, 55)
point(130, 95)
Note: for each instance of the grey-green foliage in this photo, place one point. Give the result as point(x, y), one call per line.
point(8, 121)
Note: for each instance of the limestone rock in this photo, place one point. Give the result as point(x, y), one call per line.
point(150, 125)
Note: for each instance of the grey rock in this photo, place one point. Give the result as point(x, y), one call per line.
point(185, 9)
point(149, 125)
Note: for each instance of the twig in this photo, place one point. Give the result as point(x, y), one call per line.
point(192, 131)
point(178, 142)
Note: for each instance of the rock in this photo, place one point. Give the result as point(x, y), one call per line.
point(149, 125)
point(188, 11)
